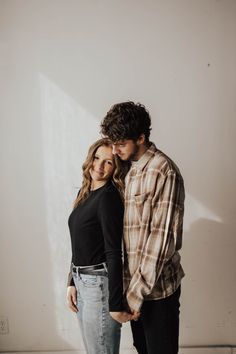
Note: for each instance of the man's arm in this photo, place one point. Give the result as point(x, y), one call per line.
point(165, 226)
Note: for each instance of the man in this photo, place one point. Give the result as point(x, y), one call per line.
point(153, 221)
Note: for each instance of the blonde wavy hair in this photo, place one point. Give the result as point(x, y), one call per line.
point(118, 177)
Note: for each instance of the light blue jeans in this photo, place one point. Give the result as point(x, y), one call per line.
point(100, 332)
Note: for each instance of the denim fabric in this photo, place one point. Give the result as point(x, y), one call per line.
point(100, 332)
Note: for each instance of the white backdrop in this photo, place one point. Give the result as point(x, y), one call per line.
point(63, 63)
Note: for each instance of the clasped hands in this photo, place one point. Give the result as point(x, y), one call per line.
point(123, 316)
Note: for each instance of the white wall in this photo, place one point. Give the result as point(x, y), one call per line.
point(62, 64)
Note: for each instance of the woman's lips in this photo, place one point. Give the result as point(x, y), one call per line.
point(99, 173)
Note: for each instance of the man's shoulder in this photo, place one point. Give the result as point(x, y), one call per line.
point(161, 163)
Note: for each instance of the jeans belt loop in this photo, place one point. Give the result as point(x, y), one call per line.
point(105, 267)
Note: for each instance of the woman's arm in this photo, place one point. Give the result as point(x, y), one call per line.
point(110, 213)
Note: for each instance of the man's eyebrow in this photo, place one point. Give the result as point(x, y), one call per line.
point(118, 142)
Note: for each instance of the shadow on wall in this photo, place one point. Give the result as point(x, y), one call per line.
point(208, 259)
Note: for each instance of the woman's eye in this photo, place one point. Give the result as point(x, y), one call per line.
point(95, 158)
point(109, 163)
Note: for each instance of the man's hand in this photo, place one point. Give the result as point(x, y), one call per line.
point(135, 315)
point(72, 298)
point(121, 316)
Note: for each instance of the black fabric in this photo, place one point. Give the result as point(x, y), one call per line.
point(157, 330)
point(96, 228)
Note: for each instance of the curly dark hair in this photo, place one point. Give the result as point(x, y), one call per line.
point(126, 120)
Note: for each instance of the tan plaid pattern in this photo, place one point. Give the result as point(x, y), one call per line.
point(153, 223)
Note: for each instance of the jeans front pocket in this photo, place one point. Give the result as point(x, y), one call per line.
point(89, 280)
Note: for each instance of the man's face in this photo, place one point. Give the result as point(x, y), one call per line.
point(126, 149)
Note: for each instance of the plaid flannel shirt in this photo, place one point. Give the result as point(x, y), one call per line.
point(153, 223)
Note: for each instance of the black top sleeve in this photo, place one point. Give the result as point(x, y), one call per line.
point(70, 280)
point(110, 213)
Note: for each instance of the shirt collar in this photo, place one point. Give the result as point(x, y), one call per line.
point(141, 163)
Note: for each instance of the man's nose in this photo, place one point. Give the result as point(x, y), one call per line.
point(114, 151)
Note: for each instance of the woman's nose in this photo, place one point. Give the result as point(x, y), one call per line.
point(100, 165)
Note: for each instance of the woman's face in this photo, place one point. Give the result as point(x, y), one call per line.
point(103, 166)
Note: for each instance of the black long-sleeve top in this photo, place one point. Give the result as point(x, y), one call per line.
point(96, 228)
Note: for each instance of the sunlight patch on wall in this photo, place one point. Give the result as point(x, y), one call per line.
point(195, 210)
point(68, 130)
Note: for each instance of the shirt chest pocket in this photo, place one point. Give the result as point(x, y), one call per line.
point(143, 207)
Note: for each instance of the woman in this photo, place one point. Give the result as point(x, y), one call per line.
point(95, 290)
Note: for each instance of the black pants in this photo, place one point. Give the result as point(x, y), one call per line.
point(157, 330)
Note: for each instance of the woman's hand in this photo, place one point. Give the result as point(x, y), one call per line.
point(121, 316)
point(72, 298)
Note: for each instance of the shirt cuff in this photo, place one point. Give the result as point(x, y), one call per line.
point(134, 302)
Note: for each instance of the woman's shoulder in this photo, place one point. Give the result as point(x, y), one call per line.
point(111, 194)
point(111, 203)
point(111, 187)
